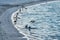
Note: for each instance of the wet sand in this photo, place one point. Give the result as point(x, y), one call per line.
point(8, 29)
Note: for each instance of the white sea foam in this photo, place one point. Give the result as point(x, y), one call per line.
point(12, 18)
point(46, 27)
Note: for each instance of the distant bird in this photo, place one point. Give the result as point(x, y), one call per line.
point(25, 8)
point(29, 28)
point(32, 21)
point(26, 26)
point(17, 13)
point(15, 21)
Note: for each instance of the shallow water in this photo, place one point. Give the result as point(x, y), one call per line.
point(47, 21)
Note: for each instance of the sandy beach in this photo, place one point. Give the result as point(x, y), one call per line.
point(8, 29)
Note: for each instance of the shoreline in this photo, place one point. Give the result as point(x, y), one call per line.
point(15, 25)
point(18, 11)
point(8, 28)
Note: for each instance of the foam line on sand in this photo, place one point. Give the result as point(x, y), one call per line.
point(14, 13)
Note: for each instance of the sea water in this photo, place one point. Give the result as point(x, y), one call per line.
point(47, 21)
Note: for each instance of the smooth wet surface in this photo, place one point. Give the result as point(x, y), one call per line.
point(7, 29)
point(2, 33)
